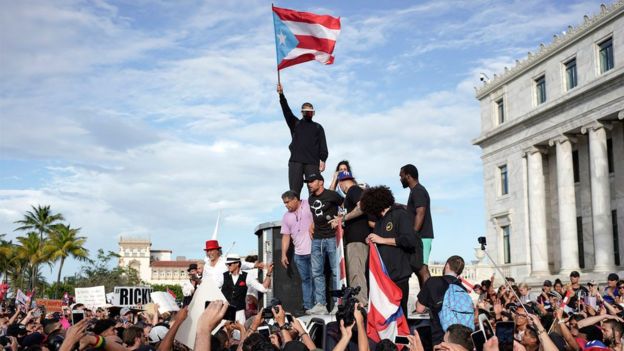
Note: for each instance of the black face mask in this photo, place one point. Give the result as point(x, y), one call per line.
point(307, 115)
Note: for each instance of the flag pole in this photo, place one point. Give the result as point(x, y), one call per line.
point(276, 54)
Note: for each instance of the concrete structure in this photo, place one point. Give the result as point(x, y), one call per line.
point(154, 266)
point(552, 136)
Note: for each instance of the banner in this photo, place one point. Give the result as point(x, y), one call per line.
point(132, 296)
point(50, 305)
point(92, 297)
point(166, 302)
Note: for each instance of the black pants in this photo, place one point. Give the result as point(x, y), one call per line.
point(404, 285)
point(296, 170)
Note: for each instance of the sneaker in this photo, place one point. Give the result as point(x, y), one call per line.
point(317, 309)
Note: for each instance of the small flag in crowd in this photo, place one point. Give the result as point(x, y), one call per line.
point(341, 256)
point(304, 36)
point(385, 315)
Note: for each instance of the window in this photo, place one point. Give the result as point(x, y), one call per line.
point(504, 180)
point(506, 244)
point(570, 70)
point(616, 239)
point(540, 90)
point(605, 54)
point(575, 166)
point(610, 154)
point(579, 240)
point(500, 111)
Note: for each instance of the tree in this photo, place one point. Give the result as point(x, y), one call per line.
point(98, 272)
point(42, 221)
point(64, 242)
point(30, 250)
point(7, 255)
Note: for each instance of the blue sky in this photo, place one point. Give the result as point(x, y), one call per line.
point(146, 118)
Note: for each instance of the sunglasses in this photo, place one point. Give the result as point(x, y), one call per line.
point(621, 287)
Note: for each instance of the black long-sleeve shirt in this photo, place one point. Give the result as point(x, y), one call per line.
point(308, 143)
point(398, 223)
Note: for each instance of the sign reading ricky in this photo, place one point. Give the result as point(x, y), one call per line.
point(132, 296)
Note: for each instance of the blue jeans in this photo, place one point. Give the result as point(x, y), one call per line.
point(305, 272)
point(322, 248)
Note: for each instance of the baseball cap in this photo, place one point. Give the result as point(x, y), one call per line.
point(591, 283)
point(157, 333)
point(613, 277)
point(547, 283)
point(575, 274)
point(312, 177)
point(344, 175)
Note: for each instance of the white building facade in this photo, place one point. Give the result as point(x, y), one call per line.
point(552, 137)
point(153, 266)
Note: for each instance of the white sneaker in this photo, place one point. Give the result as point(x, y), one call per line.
point(317, 309)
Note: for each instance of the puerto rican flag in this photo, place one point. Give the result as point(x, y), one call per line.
point(385, 315)
point(342, 278)
point(304, 36)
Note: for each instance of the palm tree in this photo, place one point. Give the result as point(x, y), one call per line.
point(40, 219)
point(43, 221)
point(64, 243)
point(6, 251)
point(30, 250)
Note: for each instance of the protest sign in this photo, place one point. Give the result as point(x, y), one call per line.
point(166, 302)
point(205, 292)
point(91, 297)
point(21, 298)
point(132, 296)
point(51, 305)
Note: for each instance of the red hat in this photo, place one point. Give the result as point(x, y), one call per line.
point(212, 245)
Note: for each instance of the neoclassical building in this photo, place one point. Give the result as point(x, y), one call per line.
point(552, 137)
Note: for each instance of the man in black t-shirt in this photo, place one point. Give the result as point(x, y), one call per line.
point(324, 205)
point(308, 148)
point(356, 230)
point(419, 204)
point(431, 295)
point(394, 235)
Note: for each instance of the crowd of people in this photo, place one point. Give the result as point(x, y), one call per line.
point(562, 316)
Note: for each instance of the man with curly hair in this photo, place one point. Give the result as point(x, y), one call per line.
point(394, 235)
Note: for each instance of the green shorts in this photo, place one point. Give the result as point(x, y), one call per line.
point(426, 242)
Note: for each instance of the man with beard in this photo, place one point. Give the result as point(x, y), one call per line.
point(419, 204)
point(308, 148)
point(324, 206)
point(394, 235)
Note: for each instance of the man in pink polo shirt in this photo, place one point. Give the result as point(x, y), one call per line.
point(296, 225)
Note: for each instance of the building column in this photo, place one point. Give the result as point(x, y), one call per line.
point(537, 213)
point(600, 198)
point(568, 242)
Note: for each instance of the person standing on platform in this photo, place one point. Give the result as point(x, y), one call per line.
point(394, 235)
point(356, 230)
point(296, 225)
point(308, 148)
point(324, 205)
point(419, 204)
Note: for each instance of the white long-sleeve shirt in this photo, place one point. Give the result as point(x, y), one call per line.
point(250, 281)
point(216, 271)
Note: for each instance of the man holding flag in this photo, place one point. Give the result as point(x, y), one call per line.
point(391, 243)
point(301, 37)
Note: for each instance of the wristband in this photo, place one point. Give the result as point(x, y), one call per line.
point(100, 343)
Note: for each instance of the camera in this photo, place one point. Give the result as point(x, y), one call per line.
point(482, 241)
point(267, 312)
point(347, 304)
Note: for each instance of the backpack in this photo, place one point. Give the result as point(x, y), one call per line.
point(457, 308)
